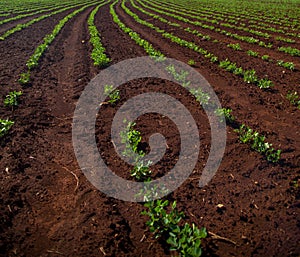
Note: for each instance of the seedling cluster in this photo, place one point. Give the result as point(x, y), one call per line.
point(12, 98)
point(112, 94)
point(98, 53)
point(294, 98)
point(257, 142)
point(186, 239)
point(5, 126)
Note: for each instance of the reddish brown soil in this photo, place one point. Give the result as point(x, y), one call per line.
point(48, 208)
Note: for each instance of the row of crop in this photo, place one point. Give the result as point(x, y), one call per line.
point(284, 31)
point(164, 218)
point(213, 18)
point(176, 16)
point(246, 134)
point(18, 17)
point(33, 61)
point(163, 222)
point(249, 76)
point(61, 5)
point(287, 65)
point(280, 29)
point(12, 99)
point(10, 9)
point(249, 17)
point(251, 137)
point(22, 26)
point(248, 14)
point(98, 53)
point(179, 16)
point(266, 58)
point(34, 6)
point(150, 50)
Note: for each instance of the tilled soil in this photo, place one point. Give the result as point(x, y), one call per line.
point(49, 208)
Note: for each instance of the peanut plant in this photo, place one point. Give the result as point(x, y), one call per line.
point(257, 142)
point(113, 94)
point(235, 47)
point(12, 98)
point(132, 138)
point(24, 78)
point(252, 53)
point(184, 239)
point(191, 62)
point(287, 65)
point(289, 50)
point(294, 98)
point(5, 126)
point(225, 114)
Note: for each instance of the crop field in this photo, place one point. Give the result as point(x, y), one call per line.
point(248, 51)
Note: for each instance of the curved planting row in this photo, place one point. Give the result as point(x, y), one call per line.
point(22, 26)
point(213, 18)
point(181, 15)
point(249, 76)
point(133, 35)
point(236, 15)
point(286, 64)
point(98, 53)
point(47, 9)
point(15, 7)
point(33, 61)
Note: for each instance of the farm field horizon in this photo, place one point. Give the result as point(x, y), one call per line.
point(249, 54)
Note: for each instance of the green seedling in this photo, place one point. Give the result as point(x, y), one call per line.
point(160, 221)
point(12, 98)
point(113, 94)
point(24, 78)
point(141, 170)
point(131, 138)
point(180, 77)
point(214, 59)
point(252, 53)
point(265, 83)
point(202, 97)
point(187, 240)
point(238, 71)
point(191, 62)
point(287, 65)
point(5, 126)
point(289, 50)
point(257, 142)
point(288, 40)
point(225, 114)
point(250, 76)
point(236, 46)
point(294, 98)
point(265, 57)
point(295, 184)
point(224, 64)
